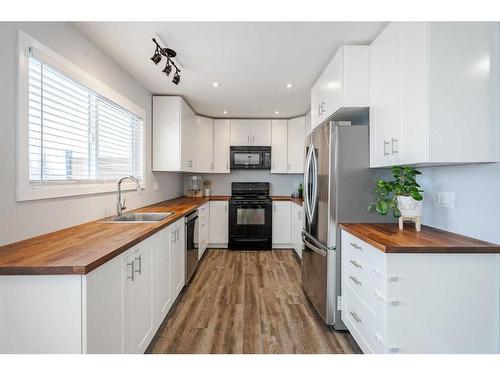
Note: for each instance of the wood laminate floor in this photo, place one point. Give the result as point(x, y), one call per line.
point(247, 302)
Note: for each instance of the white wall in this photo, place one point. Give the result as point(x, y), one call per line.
point(280, 184)
point(477, 199)
point(20, 220)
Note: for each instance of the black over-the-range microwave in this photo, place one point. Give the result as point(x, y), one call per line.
point(250, 157)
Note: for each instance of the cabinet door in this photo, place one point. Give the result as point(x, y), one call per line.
point(204, 144)
point(315, 106)
point(188, 137)
point(166, 136)
point(219, 222)
point(308, 125)
point(298, 233)
point(261, 132)
point(413, 97)
point(222, 140)
point(241, 132)
point(163, 261)
point(139, 311)
point(281, 222)
point(382, 93)
point(296, 144)
point(104, 303)
point(178, 256)
point(333, 85)
point(279, 149)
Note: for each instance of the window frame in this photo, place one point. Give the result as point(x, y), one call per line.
point(31, 191)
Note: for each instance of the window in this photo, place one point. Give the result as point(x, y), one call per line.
point(76, 136)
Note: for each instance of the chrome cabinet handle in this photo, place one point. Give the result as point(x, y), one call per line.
point(139, 258)
point(386, 144)
point(355, 264)
point(355, 316)
point(253, 139)
point(248, 139)
point(394, 150)
point(212, 166)
point(225, 208)
point(227, 166)
point(356, 281)
point(131, 277)
point(356, 246)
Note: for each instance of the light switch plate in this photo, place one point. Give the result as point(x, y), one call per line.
point(444, 199)
point(156, 187)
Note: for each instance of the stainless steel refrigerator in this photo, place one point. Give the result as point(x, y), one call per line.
point(338, 187)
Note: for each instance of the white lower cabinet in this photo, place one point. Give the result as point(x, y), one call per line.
point(419, 303)
point(297, 223)
point(203, 228)
point(281, 223)
point(139, 312)
point(219, 222)
point(178, 257)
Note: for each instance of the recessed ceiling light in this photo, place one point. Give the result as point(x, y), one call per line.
point(215, 84)
point(225, 112)
point(276, 112)
point(289, 85)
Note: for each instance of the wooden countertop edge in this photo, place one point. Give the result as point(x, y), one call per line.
point(485, 248)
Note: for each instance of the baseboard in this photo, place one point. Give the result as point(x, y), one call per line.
point(287, 246)
point(217, 246)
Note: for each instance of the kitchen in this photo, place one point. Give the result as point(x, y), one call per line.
point(209, 215)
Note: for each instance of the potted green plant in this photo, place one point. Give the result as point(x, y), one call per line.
point(301, 190)
point(403, 196)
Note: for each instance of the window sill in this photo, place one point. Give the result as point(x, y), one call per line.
point(31, 192)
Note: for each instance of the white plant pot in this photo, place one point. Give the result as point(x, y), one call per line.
point(409, 207)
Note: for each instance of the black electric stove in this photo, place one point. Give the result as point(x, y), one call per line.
point(250, 216)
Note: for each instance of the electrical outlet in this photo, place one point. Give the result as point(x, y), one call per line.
point(156, 187)
point(444, 199)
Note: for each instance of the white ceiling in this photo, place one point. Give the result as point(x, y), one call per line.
point(251, 61)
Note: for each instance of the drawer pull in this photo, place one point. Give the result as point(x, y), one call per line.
point(355, 264)
point(356, 246)
point(356, 281)
point(355, 317)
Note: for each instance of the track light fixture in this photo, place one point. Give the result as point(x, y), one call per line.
point(169, 54)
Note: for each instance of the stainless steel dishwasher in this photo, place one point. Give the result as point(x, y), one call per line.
point(192, 244)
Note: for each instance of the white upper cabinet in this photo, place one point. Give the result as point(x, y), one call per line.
point(261, 132)
point(296, 144)
point(222, 140)
point(279, 157)
point(247, 132)
point(343, 84)
point(434, 100)
point(204, 144)
point(174, 134)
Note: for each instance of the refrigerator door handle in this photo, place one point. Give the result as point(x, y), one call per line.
point(314, 162)
point(306, 183)
point(314, 248)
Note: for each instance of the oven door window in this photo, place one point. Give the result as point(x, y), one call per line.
point(250, 216)
point(246, 158)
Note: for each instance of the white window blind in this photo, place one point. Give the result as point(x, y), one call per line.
point(75, 134)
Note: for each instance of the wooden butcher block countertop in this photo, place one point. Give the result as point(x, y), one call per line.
point(83, 248)
point(389, 239)
point(80, 249)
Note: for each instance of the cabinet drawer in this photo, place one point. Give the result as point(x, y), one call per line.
point(360, 316)
point(352, 244)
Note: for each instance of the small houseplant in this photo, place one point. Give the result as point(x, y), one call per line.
point(301, 190)
point(403, 196)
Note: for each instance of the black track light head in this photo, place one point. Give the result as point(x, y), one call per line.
point(168, 68)
point(156, 57)
point(177, 78)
